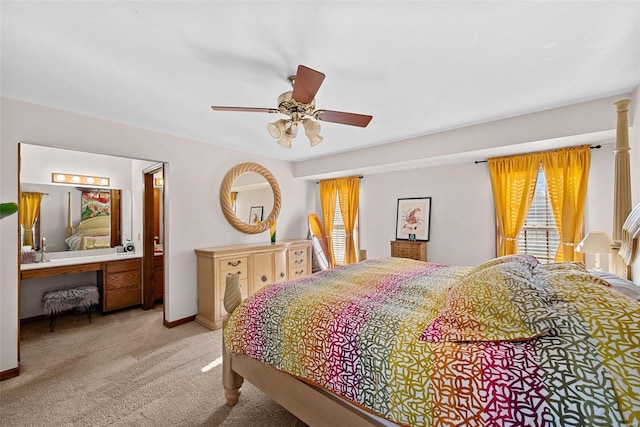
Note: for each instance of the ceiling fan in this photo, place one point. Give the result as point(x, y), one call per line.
point(299, 104)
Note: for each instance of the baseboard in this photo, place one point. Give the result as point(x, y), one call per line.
point(179, 322)
point(33, 319)
point(9, 373)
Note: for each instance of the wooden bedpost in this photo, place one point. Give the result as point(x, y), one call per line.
point(622, 184)
point(230, 380)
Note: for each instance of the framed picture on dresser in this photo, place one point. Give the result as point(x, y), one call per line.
point(413, 220)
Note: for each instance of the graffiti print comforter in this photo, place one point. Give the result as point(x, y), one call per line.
point(510, 342)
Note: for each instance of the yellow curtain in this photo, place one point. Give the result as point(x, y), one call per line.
point(513, 180)
point(348, 194)
point(29, 209)
point(328, 190)
point(567, 173)
point(233, 196)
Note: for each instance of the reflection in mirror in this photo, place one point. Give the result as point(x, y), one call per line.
point(253, 198)
point(158, 211)
point(72, 217)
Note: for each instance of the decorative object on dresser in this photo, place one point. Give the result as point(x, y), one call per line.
point(409, 249)
point(255, 265)
point(413, 220)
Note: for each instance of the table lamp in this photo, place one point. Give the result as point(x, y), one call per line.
point(596, 242)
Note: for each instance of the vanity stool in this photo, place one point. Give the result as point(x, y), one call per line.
point(61, 300)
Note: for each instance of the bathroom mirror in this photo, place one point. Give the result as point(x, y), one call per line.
point(63, 206)
point(250, 198)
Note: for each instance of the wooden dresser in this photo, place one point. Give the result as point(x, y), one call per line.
point(257, 264)
point(409, 249)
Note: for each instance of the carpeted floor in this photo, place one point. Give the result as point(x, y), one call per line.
point(127, 369)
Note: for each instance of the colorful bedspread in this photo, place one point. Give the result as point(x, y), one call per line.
point(510, 342)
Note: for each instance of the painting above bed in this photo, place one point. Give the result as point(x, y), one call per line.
point(510, 342)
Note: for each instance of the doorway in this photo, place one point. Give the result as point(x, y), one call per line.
point(153, 237)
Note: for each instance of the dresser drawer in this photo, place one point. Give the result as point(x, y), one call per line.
point(118, 266)
point(296, 272)
point(122, 298)
point(236, 264)
point(125, 279)
point(222, 282)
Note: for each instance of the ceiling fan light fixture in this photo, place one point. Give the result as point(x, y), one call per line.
point(277, 128)
point(291, 129)
point(311, 128)
point(315, 140)
point(285, 141)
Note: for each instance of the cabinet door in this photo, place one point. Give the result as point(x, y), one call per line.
point(280, 264)
point(262, 266)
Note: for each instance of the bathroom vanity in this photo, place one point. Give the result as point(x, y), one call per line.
point(118, 275)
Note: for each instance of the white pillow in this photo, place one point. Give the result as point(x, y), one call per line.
point(620, 284)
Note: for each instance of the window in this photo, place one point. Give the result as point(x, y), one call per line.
point(539, 235)
point(338, 235)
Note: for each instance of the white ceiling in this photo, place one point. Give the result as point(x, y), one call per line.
point(417, 67)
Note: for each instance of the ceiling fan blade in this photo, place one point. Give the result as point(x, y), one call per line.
point(244, 109)
point(351, 119)
point(306, 85)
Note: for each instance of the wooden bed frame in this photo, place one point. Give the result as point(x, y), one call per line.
point(314, 406)
point(311, 405)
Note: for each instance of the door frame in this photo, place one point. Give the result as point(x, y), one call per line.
point(148, 274)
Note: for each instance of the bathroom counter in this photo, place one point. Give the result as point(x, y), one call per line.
point(56, 261)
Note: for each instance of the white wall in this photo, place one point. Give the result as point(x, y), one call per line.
point(194, 171)
point(462, 213)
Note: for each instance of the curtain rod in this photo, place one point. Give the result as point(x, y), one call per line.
point(318, 182)
point(485, 161)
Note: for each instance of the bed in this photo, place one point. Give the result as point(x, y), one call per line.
point(91, 233)
point(401, 342)
point(511, 341)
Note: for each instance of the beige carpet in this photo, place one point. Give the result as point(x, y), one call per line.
point(127, 369)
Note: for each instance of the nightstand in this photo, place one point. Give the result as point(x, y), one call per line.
point(409, 249)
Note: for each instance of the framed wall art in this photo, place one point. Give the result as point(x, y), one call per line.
point(255, 214)
point(95, 203)
point(413, 219)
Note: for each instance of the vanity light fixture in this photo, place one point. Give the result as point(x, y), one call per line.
point(65, 178)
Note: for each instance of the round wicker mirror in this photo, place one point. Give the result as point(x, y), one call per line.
point(227, 204)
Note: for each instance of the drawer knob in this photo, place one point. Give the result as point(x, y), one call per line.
point(299, 261)
point(234, 264)
point(264, 278)
point(299, 272)
point(282, 274)
point(299, 252)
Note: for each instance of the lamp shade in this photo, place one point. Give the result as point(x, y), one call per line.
point(277, 128)
point(596, 242)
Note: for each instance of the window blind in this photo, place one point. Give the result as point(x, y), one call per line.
point(539, 235)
